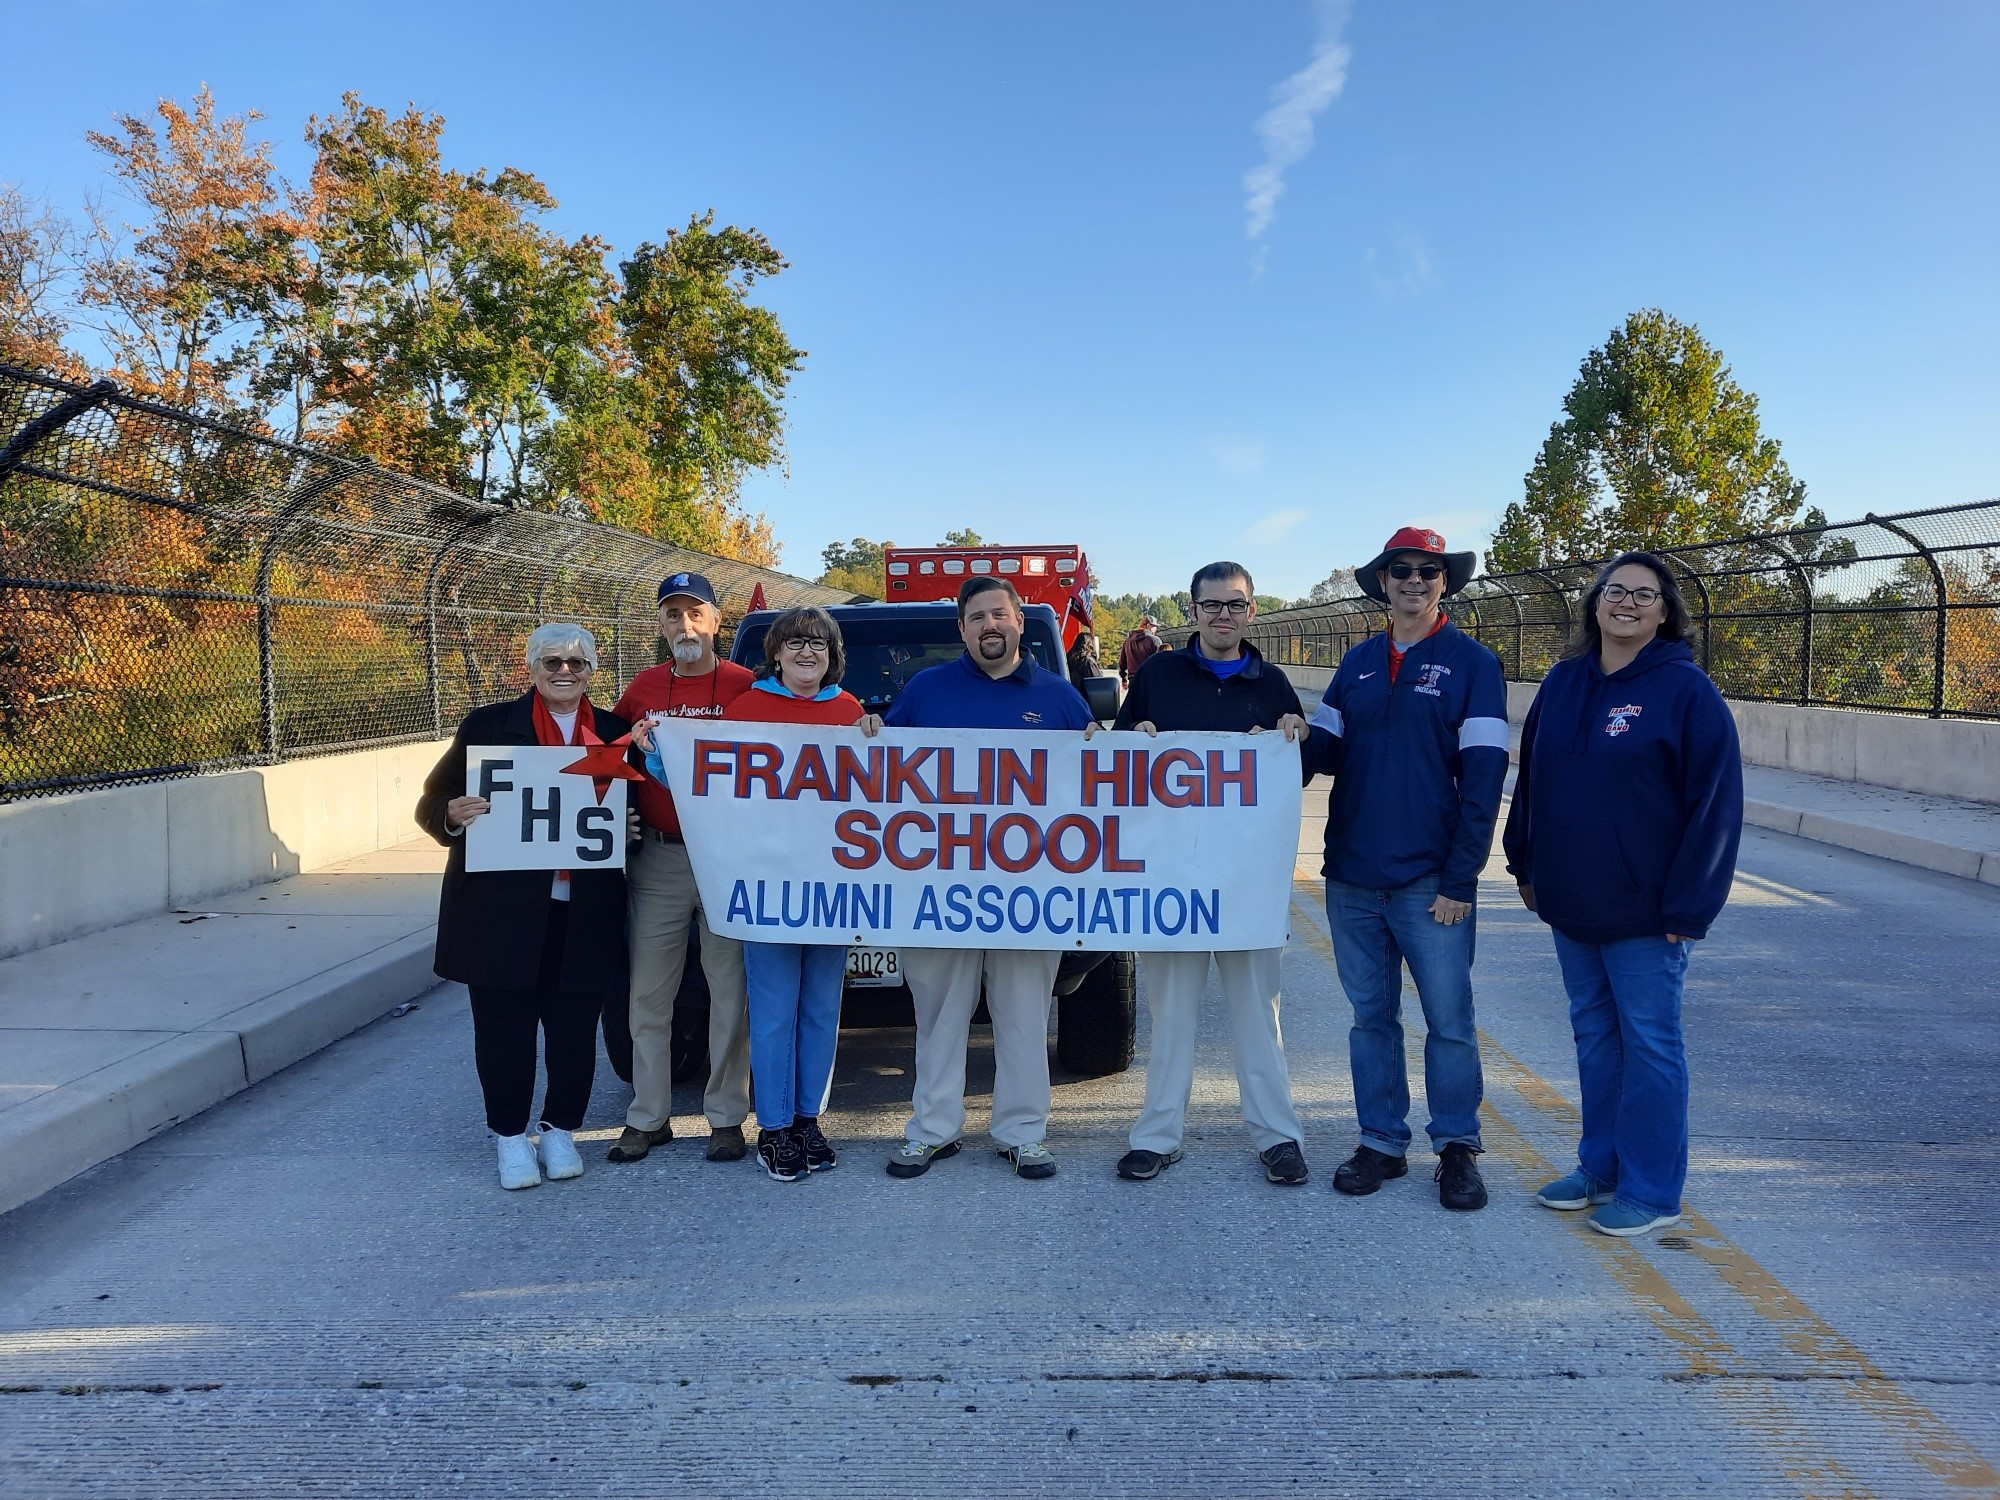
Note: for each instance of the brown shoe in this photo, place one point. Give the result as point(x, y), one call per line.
point(726, 1143)
point(634, 1144)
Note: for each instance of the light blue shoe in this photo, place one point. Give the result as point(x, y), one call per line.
point(1625, 1221)
point(1578, 1190)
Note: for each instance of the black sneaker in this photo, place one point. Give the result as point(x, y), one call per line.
point(782, 1153)
point(1459, 1184)
point(818, 1149)
point(1144, 1166)
point(1366, 1170)
point(1284, 1163)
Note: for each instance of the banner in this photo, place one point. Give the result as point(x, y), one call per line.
point(961, 838)
point(541, 819)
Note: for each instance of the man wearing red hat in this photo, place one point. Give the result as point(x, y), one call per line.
point(1413, 729)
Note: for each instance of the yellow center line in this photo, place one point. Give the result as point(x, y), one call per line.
point(1923, 1434)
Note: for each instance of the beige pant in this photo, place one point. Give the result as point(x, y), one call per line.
point(1174, 986)
point(944, 983)
point(661, 900)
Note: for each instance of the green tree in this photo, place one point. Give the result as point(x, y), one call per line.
point(1658, 447)
point(964, 537)
point(855, 566)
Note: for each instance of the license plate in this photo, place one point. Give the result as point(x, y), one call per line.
point(873, 968)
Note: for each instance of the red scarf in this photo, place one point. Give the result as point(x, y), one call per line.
point(549, 732)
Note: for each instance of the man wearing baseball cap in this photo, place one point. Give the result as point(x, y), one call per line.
point(662, 899)
point(1413, 729)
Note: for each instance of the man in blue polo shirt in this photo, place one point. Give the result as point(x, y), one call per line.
point(1413, 728)
point(995, 685)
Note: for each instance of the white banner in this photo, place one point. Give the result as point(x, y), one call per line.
point(964, 838)
point(541, 819)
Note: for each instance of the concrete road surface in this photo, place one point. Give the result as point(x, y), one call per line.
point(317, 1289)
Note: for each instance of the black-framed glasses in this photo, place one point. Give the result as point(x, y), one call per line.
point(554, 664)
point(1215, 608)
point(1616, 593)
point(1425, 571)
point(805, 644)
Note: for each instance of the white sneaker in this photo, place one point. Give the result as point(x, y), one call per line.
point(518, 1168)
point(559, 1154)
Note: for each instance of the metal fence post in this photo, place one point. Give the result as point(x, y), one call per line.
point(53, 421)
point(433, 579)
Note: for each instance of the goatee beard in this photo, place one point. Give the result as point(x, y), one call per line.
point(687, 653)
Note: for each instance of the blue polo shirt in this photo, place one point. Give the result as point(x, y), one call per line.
point(959, 695)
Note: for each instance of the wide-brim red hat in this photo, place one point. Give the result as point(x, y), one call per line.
point(1458, 566)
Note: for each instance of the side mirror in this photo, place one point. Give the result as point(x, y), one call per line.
point(1102, 694)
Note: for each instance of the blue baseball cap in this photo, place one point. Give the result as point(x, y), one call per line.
point(691, 584)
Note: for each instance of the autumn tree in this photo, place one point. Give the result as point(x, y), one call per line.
point(172, 287)
point(855, 566)
point(1658, 446)
point(37, 245)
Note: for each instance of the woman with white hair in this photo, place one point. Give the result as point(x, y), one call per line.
point(538, 950)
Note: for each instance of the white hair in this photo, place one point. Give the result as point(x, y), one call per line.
point(562, 640)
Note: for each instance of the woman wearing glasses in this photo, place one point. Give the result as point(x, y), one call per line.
point(795, 987)
point(1623, 838)
point(539, 951)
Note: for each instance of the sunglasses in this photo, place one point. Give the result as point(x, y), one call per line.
point(1425, 571)
point(554, 664)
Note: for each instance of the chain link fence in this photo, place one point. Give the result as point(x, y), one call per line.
point(181, 595)
point(1898, 613)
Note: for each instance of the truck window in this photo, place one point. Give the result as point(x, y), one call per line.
point(883, 655)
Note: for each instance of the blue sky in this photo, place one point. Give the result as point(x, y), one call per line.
point(1047, 291)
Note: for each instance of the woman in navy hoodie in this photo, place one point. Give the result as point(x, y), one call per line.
point(1623, 835)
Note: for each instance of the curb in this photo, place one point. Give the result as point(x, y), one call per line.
point(1883, 843)
point(72, 1128)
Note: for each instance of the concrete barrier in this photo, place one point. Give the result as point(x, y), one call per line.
point(91, 860)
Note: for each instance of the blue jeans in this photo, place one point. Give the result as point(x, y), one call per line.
point(1625, 1008)
point(1374, 934)
point(794, 1026)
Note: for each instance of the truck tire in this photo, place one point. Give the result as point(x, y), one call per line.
point(1096, 1022)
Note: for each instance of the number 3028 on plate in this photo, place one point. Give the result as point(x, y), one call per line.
point(873, 968)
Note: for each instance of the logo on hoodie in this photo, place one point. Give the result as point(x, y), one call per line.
point(1029, 716)
point(1430, 679)
point(1619, 716)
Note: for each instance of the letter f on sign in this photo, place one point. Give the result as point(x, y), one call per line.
point(711, 758)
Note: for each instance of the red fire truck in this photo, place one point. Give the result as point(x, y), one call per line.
point(1056, 576)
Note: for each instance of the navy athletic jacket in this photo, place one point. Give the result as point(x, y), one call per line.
point(1180, 690)
point(1417, 765)
point(1629, 805)
point(959, 695)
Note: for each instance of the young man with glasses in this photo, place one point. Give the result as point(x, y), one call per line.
point(1219, 683)
point(1413, 729)
point(994, 685)
point(664, 900)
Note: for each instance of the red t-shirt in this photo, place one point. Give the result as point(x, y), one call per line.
point(663, 690)
point(762, 706)
point(1397, 653)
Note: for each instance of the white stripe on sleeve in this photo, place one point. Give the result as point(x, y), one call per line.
point(1488, 733)
point(1327, 717)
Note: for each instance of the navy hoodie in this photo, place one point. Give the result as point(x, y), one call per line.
point(1417, 763)
point(959, 695)
point(1629, 805)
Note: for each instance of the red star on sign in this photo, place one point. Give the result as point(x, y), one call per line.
point(604, 764)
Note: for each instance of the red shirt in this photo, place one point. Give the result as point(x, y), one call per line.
point(763, 706)
point(663, 690)
point(1396, 652)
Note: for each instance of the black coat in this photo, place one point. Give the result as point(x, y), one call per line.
point(491, 925)
point(1173, 690)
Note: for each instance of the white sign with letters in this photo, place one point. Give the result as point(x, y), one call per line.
point(967, 838)
point(541, 819)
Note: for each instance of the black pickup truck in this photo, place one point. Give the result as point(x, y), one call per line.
point(887, 645)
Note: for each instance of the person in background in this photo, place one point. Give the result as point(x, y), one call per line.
point(994, 685)
point(538, 952)
point(1623, 835)
point(1413, 728)
point(1139, 648)
point(795, 988)
point(664, 899)
point(1220, 682)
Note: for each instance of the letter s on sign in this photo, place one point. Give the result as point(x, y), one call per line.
point(856, 829)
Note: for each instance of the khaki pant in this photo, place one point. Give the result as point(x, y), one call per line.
point(944, 984)
point(661, 900)
point(1174, 986)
